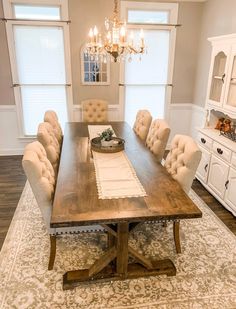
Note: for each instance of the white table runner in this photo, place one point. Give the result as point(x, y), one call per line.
point(115, 175)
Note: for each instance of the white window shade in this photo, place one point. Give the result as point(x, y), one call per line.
point(153, 67)
point(41, 71)
point(36, 100)
point(151, 98)
point(40, 54)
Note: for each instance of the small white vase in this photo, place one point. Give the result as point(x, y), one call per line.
point(106, 143)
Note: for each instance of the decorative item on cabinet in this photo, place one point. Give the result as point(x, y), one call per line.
point(220, 124)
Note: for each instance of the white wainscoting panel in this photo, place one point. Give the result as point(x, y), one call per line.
point(184, 118)
point(10, 143)
point(113, 113)
point(198, 119)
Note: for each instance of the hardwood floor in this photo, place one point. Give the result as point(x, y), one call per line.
point(225, 216)
point(12, 182)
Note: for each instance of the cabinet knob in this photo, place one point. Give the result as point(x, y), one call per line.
point(220, 151)
point(203, 140)
point(226, 184)
point(223, 78)
point(205, 167)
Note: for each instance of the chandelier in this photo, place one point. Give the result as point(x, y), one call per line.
point(114, 41)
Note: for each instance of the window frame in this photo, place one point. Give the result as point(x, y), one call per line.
point(9, 14)
point(157, 6)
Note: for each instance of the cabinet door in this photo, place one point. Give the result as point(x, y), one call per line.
point(203, 168)
point(216, 85)
point(230, 194)
point(230, 93)
point(218, 176)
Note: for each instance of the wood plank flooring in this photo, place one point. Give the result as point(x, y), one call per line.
point(12, 181)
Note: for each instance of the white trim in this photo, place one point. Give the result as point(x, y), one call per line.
point(7, 108)
point(158, 6)
point(8, 6)
point(110, 106)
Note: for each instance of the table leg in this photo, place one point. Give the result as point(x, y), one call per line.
point(113, 264)
point(122, 249)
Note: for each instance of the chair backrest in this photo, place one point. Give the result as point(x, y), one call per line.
point(41, 177)
point(94, 110)
point(51, 117)
point(157, 138)
point(182, 160)
point(50, 143)
point(142, 123)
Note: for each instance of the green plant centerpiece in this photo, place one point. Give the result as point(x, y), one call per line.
point(106, 137)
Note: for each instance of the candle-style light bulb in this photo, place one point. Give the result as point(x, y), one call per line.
point(142, 38)
point(122, 34)
point(95, 33)
point(91, 35)
point(95, 30)
point(132, 38)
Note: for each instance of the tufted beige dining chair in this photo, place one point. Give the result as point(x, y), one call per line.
point(94, 110)
point(50, 143)
point(157, 138)
point(182, 162)
point(41, 177)
point(51, 117)
point(142, 123)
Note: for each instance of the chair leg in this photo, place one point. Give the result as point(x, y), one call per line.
point(176, 226)
point(52, 251)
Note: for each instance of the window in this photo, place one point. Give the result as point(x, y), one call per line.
point(40, 60)
point(146, 84)
point(36, 12)
point(94, 71)
point(148, 17)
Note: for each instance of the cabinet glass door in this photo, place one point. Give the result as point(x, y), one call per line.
point(231, 97)
point(218, 77)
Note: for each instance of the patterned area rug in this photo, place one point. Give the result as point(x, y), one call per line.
point(206, 270)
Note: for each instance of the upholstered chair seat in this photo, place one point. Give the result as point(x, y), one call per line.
point(50, 143)
point(158, 137)
point(41, 177)
point(94, 110)
point(51, 117)
point(182, 162)
point(142, 123)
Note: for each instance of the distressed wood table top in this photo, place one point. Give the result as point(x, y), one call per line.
point(76, 200)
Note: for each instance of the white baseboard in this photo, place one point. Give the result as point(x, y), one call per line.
point(184, 118)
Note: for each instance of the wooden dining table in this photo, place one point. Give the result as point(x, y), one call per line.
point(76, 203)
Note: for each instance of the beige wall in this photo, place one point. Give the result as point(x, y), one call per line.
point(187, 41)
point(83, 15)
point(185, 58)
point(218, 19)
point(6, 90)
point(86, 13)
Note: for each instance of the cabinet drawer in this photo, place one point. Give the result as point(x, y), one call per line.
point(205, 141)
point(233, 160)
point(222, 152)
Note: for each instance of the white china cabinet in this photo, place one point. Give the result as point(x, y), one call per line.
point(217, 169)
